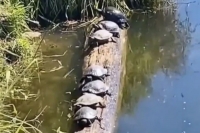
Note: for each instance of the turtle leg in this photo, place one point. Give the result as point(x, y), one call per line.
point(82, 80)
point(106, 67)
point(102, 104)
point(112, 39)
point(86, 78)
point(89, 78)
point(98, 78)
point(114, 34)
point(90, 123)
point(102, 78)
point(100, 119)
point(108, 93)
point(127, 25)
point(98, 48)
point(118, 35)
point(78, 106)
point(87, 47)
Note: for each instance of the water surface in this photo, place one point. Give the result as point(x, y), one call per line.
point(59, 74)
point(161, 93)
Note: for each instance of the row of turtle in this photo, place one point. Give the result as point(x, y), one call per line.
point(109, 28)
point(92, 84)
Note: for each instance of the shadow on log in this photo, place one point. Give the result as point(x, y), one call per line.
point(111, 55)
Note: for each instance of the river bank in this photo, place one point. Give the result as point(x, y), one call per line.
point(19, 58)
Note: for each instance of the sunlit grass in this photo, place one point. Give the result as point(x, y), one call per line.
point(17, 64)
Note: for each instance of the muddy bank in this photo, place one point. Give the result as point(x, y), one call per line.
point(109, 55)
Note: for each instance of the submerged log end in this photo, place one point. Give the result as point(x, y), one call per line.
point(108, 55)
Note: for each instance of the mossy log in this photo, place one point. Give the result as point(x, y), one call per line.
point(109, 55)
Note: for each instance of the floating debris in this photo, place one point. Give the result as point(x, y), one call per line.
point(32, 34)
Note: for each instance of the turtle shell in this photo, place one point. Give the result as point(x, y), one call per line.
point(85, 112)
point(112, 11)
point(101, 35)
point(95, 87)
point(96, 70)
point(109, 25)
point(88, 99)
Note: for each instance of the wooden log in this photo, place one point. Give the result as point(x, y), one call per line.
point(110, 55)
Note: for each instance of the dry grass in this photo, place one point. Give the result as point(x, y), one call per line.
point(17, 64)
point(83, 9)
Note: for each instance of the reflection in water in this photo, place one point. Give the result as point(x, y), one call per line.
point(161, 89)
point(154, 45)
point(54, 85)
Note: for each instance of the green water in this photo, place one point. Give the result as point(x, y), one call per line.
point(58, 77)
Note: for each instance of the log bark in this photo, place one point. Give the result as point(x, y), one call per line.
point(110, 55)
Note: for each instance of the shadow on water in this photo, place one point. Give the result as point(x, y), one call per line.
point(160, 92)
point(55, 87)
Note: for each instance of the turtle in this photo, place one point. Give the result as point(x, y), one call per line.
point(85, 116)
point(115, 15)
point(96, 87)
point(94, 72)
point(102, 36)
point(91, 100)
point(111, 26)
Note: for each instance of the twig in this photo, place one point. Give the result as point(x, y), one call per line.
point(54, 69)
point(67, 74)
point(46, 19)
point(55, 55)
point(37, 115)
point(9, 52)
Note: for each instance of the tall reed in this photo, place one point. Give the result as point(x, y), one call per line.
point(56, 10)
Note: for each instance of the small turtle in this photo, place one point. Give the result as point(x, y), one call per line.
point(97, 87)
point(111, 26)
point(91, 100)
point(94, 72)
point(102, 36)
point(85, 116)
point(115, 15)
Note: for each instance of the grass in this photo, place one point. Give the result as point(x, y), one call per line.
point(17, 64)
point(55, 10)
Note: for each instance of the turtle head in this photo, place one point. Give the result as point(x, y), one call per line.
point(82, 80)
point(107, 75)
point(108, 93)
point(83, 122)
point(106, 72)
point(122, 26)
